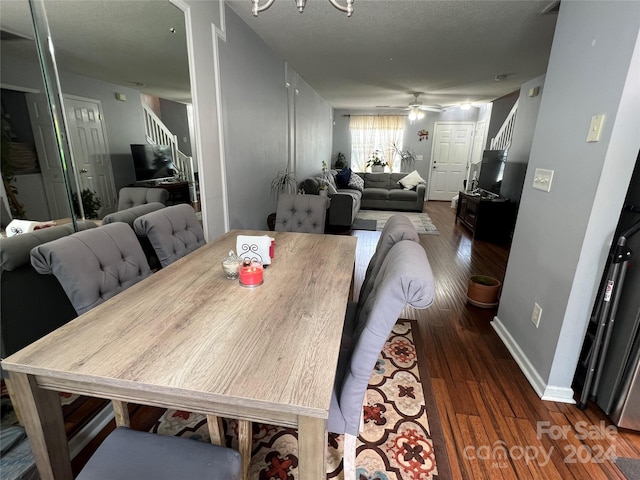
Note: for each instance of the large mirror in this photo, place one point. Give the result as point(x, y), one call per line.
point(124, 80)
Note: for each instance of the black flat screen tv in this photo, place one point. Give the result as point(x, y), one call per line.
point(152, 162)
point(492, 170)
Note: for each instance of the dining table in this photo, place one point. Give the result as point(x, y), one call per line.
point(189, 338)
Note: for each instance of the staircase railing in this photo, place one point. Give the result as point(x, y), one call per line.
point(157, 133)
point(502, 140)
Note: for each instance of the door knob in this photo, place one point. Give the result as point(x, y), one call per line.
point(84, 170)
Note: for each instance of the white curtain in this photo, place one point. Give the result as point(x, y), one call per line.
point(375, 132)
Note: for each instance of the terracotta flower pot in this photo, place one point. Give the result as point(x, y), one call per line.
point(483, 291)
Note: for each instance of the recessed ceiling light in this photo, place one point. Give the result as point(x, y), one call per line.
point(499, 78)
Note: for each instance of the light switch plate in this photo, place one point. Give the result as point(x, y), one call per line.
point(595, 128)
point(419, 158)
point(542, 179)
point(536, 314)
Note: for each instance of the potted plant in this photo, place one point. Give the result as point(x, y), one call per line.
point(284, 182)
point(483, 291)
point(407, 158)
point(323, 189)
point(376, 161)
point(91, 203)
point(341, 161)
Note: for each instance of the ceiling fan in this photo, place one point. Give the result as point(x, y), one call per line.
point(416, 106)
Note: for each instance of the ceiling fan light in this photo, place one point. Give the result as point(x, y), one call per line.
point(413, 115)
point(300, 5)
point(420, 114)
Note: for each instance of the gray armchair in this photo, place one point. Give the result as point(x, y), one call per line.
point(404, 278)
point(133, 455)
point(133, 196)
point(94, 265)
point(173, 232)
point(301, 213)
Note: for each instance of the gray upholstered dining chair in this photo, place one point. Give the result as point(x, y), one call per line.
point(301, 213)
point(173, 232)
point(133, 455)
point(128, 216)
point(93, 265)
point(133, 196)
point(404, 278)
point(397, 228)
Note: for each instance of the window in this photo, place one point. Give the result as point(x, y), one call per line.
point(375, 132)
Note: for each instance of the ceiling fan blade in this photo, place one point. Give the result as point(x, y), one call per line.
point(432, 108)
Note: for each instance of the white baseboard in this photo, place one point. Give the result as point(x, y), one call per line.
point(545, 392)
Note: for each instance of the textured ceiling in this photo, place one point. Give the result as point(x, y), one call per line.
point(450, 50)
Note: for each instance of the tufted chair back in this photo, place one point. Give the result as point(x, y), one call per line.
point(397, 228)
point(93, 265)
point(133, 196)
point(301, 213)
point(173, 232)
point(404, 278)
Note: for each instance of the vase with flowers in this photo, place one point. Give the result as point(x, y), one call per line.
point(376, 161)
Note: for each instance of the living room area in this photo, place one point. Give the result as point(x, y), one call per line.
point(495, 377)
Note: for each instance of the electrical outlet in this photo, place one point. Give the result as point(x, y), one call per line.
point(537, 313)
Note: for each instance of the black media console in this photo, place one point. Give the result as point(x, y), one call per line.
point(490, 219)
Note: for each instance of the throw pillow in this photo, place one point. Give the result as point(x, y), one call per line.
point(343, 177)
point(356, 182)
point(411, 181)
point(332, 189)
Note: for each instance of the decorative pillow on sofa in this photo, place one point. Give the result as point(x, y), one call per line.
point(411, 181)
point(356, 182)
point(343, 177)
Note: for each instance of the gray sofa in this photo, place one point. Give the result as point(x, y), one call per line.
point(381, 192)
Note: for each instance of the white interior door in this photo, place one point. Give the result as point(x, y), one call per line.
point(90, 150)
point(450, 157)
point(48, 156)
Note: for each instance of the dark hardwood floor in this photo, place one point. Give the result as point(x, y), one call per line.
point(485, 403)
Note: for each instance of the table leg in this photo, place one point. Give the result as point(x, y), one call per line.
point(245, 437)
point(42, 417)
point(121, 413)
point(312, 445)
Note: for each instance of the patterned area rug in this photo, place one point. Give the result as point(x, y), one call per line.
point(421, 221)
point(400, 439)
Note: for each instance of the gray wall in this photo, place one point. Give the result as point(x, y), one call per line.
point(342, 136)
point(313, 127)
point(562, 237)
point(501, 108)
point(174, 116)
point(255, 116)
point(124, 120)
point(254, 109)
point(518, 155)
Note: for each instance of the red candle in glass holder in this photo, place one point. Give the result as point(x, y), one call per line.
point(251, 275)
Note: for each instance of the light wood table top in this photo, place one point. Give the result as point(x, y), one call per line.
point(188, 338)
